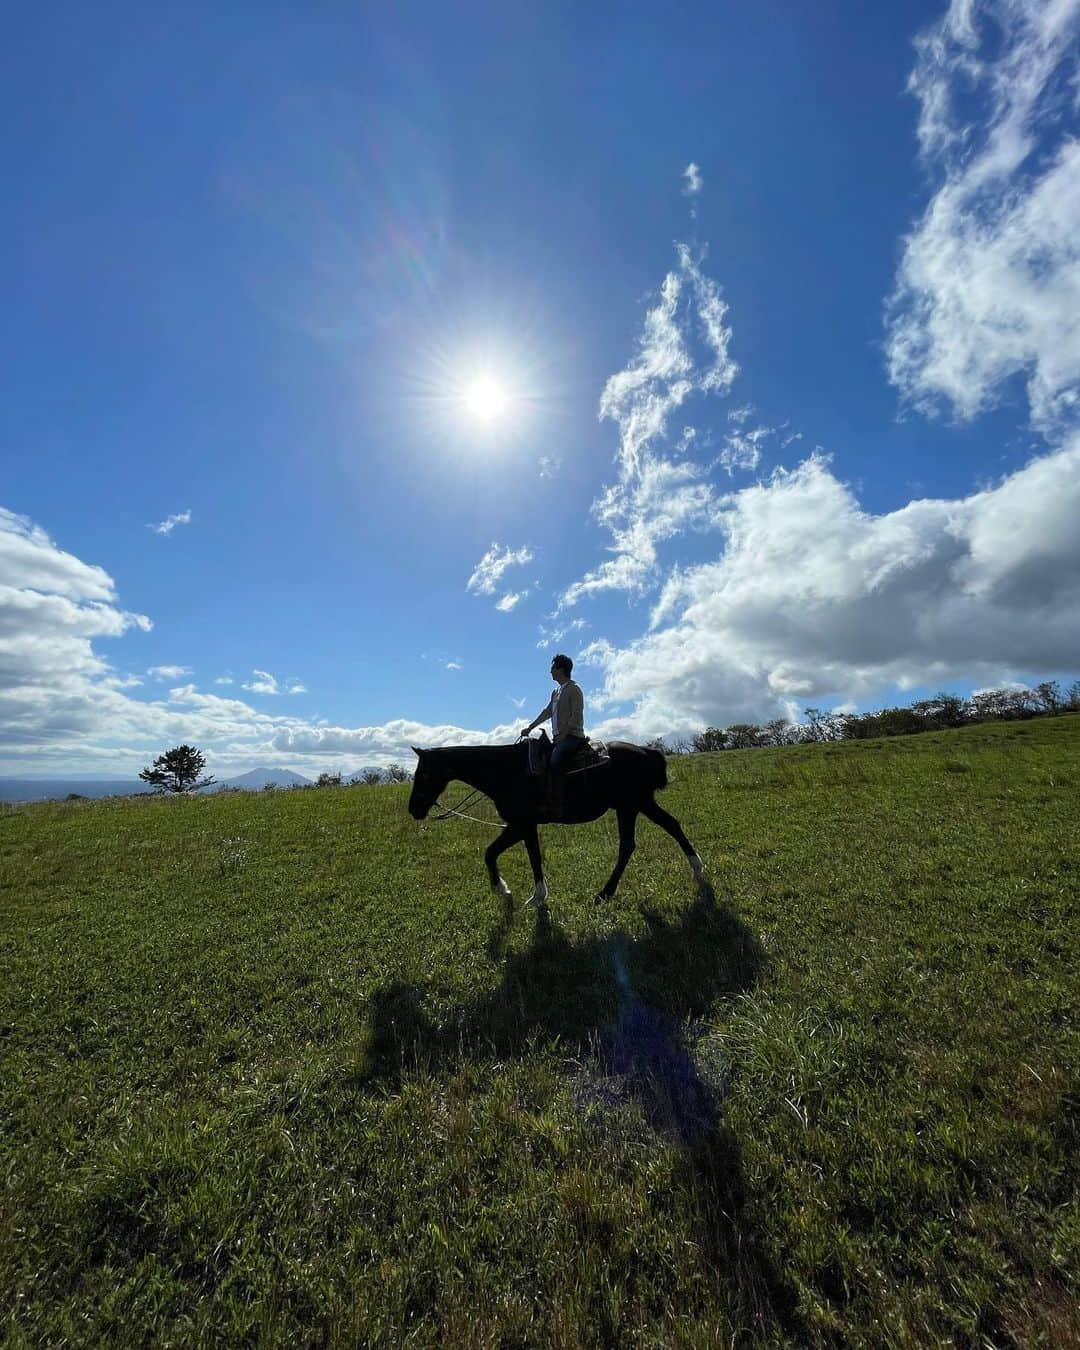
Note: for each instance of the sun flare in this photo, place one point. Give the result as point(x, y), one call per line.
point(485, 398)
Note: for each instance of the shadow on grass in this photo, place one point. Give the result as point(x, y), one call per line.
point(626, 1006)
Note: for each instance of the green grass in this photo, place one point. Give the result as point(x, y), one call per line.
point(277, 1068)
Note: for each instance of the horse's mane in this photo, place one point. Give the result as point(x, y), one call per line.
point(488, 751)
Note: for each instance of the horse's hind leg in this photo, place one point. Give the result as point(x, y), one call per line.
point(627, 842)
point(667, 822)
point(491, 856)
point(532, 847)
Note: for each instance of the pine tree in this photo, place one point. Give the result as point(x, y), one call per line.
point(177, 770)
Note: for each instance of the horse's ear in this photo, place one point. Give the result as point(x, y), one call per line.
point(417, 752)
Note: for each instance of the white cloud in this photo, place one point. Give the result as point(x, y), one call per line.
point(453, 665)
point(989, 283)
point(52, 606)
point(386, 742)
point(693, 180)
point(265, 683)
point(508, 601)
point(549, 465)
point(814, 598)
point(168, 672)
point(29, 559)
point(167, 525)
point(224, 679)
point(488, 571)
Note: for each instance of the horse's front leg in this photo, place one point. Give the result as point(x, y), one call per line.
point(532, 846)
point(510, 835)
point(627, 843)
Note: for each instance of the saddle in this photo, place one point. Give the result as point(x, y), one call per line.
point(591, 755)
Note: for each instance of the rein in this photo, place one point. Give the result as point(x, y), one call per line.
point(448, 811)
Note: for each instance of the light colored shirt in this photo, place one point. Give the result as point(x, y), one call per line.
point(568, 711)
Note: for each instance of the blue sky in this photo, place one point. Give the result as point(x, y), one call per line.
point(732, 349)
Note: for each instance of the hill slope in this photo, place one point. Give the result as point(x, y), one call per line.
point(279, 1065)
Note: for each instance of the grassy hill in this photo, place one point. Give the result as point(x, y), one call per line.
point(278, 1067)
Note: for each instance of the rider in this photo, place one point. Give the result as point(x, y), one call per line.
point(567, 712)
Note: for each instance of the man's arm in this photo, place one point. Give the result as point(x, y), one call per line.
point(540, 717)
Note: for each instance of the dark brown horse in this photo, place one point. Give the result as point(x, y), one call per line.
point(625, 784)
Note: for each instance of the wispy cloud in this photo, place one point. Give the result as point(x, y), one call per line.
point(454, 665)
point(989, 284)
point(682, 352)
point(167, 525)
point(693, 180)
point(550, 636)
point(168, 672)
point(489, 570)
point(265, 683)
point(549, 465)
point(742, 449)
point(508, 601)
point(224, 679)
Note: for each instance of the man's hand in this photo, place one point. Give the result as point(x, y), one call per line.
point(524, 733)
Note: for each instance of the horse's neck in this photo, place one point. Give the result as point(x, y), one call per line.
point(485, 769)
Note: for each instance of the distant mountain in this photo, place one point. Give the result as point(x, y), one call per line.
point(48, 789)
point(259, 778)
point(359, 773)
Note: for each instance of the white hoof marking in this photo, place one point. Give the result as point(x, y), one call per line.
point(697, 867)
point(540, 893)
point(501, 888)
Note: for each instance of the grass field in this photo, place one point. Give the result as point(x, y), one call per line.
point(278, 1068)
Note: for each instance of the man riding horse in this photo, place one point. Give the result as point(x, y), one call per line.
point(626, 783)
point(566, 709)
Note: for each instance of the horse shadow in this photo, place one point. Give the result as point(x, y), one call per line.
point(625, 1010)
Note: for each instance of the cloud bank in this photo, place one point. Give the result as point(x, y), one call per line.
point(64, 708)
point(814, 598)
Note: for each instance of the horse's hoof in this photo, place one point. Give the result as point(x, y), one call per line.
point(602, 898)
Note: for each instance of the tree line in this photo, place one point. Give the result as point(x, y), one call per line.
point(929, 714)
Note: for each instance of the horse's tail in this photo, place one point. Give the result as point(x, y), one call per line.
point(657, 764)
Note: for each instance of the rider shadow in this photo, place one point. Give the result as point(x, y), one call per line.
point(625, 1005)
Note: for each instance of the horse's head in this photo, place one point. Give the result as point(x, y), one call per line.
point(428, 783)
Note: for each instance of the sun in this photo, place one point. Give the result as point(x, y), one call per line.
point(485, 398)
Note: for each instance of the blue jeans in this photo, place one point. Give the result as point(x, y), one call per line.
point(565, 750)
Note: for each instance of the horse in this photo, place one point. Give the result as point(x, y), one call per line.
point(625, 783)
